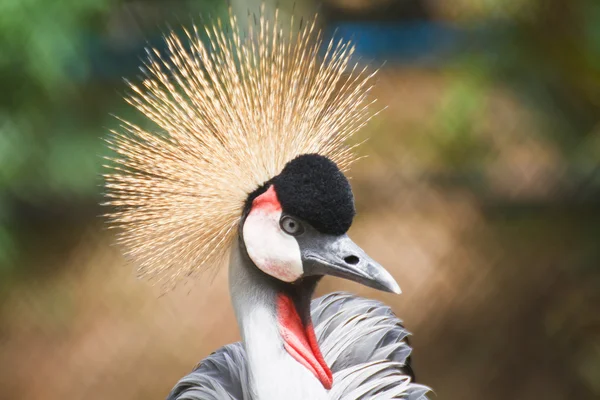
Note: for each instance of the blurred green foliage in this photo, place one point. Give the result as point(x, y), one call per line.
point(454, 135)
point(58, 95)
point(44, 145)
point(39, 39)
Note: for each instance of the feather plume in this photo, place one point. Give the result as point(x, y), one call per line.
point(229, 112)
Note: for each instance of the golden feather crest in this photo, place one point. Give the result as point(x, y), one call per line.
point(231, 111)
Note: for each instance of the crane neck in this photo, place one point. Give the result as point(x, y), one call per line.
point(284, 359)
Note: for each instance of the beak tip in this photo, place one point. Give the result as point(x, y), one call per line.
point(389, 282)
point(396, 289)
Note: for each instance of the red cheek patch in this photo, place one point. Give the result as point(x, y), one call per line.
point(300, 342)
point(267, 201)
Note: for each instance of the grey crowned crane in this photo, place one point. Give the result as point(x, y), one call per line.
point(246, 164)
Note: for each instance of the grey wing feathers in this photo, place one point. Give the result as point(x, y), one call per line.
point(381, 380)
point(353, 330)
point(221, 376)
point(363, 342)
point(366, 347)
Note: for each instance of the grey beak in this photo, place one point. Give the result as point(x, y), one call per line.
point(340, 256)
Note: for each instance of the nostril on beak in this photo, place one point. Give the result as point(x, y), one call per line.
point(352, 260)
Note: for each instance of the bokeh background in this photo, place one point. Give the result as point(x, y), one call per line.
point(481, 194)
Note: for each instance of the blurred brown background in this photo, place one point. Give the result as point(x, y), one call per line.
point(481, 194)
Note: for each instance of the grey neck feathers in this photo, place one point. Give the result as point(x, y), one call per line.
point(274, 374)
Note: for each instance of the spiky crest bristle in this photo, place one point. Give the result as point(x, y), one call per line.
point(231, 114)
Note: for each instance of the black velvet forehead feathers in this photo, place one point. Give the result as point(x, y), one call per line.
point(313, 188)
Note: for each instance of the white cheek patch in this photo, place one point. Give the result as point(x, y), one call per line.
point(272, 250)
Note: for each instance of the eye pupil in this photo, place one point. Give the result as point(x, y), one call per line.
point(291, 226)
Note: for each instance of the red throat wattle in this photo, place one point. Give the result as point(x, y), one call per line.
point(300, 341)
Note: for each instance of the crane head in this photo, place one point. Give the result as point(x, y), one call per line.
point(232, 109)
point(295, 226)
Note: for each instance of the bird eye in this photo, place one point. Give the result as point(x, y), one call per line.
point(291, 226)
